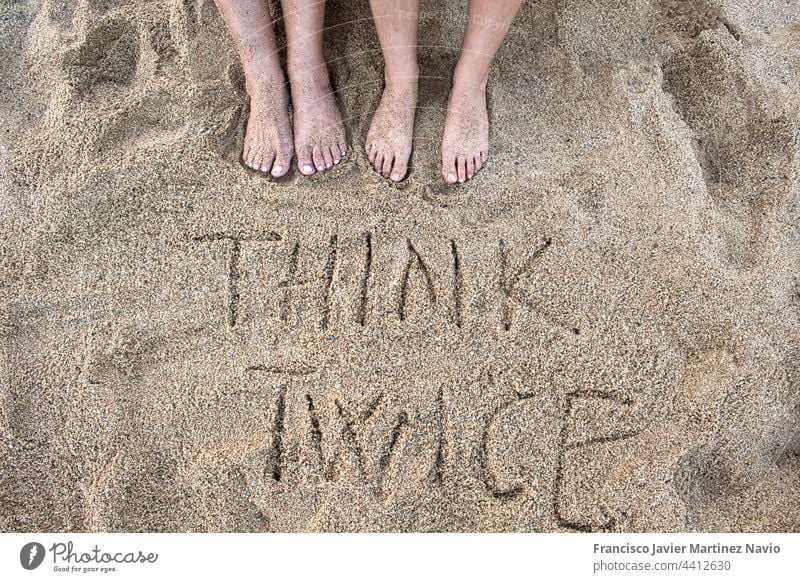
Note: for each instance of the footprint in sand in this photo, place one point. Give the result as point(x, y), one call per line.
point(109, 55)
point(744, 142)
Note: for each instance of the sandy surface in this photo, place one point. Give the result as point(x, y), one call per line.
point(601, 332)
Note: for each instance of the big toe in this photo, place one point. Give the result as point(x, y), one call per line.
point(282, 163)
point(449, 169)
point(304, 161)
point(400, 168)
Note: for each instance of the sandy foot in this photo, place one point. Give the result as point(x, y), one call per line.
point(319, 136)
point(390, 136)
point(268, 140)
point(465, 145)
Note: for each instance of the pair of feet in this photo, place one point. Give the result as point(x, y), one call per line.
point(318, 137)
point(465, 144)
point(319, 141)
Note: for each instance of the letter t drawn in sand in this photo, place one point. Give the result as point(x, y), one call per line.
point(284, 373)
point(233, 274)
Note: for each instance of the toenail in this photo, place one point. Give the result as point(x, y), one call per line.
point(320, 168)
point(451, 178)
point(396, 177)
point(308, 169)
point(277, 169)
point(335, 162)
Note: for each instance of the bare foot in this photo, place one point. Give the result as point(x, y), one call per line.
point(268, 140)
point(390, 136)
point(319, 136)
point(465, 146)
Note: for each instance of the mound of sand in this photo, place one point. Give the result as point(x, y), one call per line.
point(601, 332)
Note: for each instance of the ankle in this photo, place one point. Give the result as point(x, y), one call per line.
point(402, 82)
point(468, 82)
point(313, 77)
point(266, 85)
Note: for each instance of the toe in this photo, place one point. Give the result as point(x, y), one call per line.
point(336, 155)
point(478, 163)
point(304, 161)
point(400, 168)
point(266, 162)
point(283, 160)
point(343, 148)
point(378, 165)
point(319, 161)
point(470, 167)
point(373, 151)
point(326, 155)
point(461, 166)
point(257, 157)
point(449, 170)
point(252, 158)
point(388, 161)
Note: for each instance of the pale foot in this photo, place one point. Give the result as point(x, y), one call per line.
point(390, 137)
point(268, 144)
point(319, 135)
point(465, 145)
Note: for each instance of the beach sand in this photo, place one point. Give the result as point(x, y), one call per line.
point(601, 332)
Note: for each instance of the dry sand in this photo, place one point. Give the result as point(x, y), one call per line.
point(600, 332)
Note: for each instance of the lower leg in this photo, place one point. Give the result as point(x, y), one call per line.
point(268, 140)
point(466, 137)
point(487, 25)
point(390, 137)
point(318, 130)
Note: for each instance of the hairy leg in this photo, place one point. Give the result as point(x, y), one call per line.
point(319, 135)
point(465, 146)
point(268, 140)
point(390, 136)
